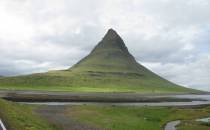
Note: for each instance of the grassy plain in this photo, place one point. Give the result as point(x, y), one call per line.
point(139, 118)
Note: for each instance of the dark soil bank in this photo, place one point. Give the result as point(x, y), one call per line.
point(37, 96)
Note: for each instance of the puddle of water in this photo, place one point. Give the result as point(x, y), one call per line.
point(206, 120)
point(172, 125)
point(204, 97)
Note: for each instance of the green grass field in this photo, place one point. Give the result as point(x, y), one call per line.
point(139, 118)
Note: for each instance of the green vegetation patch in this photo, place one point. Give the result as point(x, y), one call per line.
point(138, 118)
point(21, 117)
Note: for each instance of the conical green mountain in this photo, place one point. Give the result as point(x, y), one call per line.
point(108, 68)
point(111, 55)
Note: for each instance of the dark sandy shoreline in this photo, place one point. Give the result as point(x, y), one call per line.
point(44, 96)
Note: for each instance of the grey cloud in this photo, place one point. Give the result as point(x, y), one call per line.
point(194, 74)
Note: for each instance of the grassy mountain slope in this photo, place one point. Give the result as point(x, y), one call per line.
point(108, 68)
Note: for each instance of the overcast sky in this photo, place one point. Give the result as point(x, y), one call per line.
point(170, 37)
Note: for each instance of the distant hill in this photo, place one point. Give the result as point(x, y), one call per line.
point(108, 68)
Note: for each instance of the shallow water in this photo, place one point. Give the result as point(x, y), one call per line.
point(193, 103)
point(204, 97)
point(206, 120)
point(172, 125)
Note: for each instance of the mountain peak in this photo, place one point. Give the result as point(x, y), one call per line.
point(111, 34)
point(111, 41)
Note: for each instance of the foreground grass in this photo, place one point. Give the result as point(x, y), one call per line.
point(25, 117)
point(138, 118)
point(21, 117)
